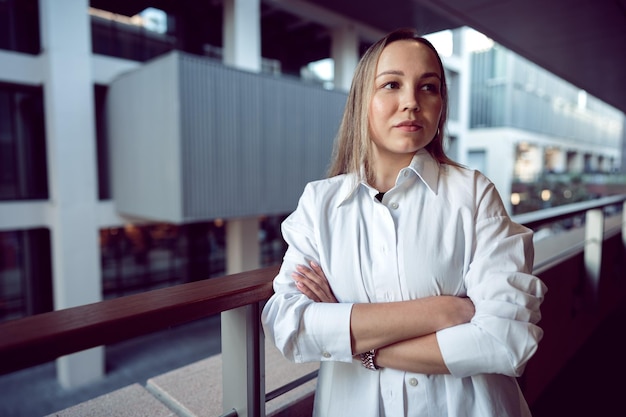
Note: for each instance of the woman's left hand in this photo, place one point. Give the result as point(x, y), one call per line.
point(312, 282)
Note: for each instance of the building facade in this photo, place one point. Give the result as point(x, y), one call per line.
point(536, 135)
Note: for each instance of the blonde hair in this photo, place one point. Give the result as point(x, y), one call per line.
point(352, 149)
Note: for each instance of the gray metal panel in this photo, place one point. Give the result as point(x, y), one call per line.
point(144, 136)
point(540, 101)
point(250, 142)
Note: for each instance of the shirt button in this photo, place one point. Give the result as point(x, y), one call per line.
point(394, 205)
point(406, 173)
point(413, 382)
point(326, 355)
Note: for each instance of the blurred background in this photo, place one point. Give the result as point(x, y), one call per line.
point(150, 143)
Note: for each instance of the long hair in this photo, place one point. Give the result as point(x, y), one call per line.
point(352, 148)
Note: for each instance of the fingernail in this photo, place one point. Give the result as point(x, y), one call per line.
point(314, 264)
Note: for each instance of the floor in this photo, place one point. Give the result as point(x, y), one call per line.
point(591, 385)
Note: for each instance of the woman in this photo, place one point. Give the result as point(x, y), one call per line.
point(404, 275)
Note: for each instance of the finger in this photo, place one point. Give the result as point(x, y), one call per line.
point(312, 283)
point(304, 285)
point(319, 279)
point(317, 269)
point(305, 291)
point(317, 275)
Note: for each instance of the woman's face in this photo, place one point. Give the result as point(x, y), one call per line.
point(406, 104)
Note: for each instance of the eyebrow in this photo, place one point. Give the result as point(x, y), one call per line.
point(396, 72)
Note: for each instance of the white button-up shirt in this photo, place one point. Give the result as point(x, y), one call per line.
point(441, 230)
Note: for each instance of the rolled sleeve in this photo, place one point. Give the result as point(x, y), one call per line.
point(325, 334)
point(503, 334)
point(305, 331)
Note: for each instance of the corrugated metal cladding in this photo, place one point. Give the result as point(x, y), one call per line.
point(543, 103)
point(250, 142)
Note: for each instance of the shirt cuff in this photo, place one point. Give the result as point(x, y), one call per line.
point(326, 332)
point(466, 353)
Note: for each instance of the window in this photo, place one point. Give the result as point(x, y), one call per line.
point(19, 26)
point(25, 273)
point(102, 143)
point(23, 168)
point(273, 247)
point(115, 35)
point(137, 258)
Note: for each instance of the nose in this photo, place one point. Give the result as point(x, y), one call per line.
point(411, 103)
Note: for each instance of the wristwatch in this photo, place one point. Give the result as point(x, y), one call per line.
point(367, 360)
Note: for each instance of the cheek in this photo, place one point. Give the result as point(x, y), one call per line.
point(437, 108)
point(380, 106)
point(377, 111)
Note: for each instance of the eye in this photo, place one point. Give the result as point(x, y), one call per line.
point(391, 85)
point(433, 88)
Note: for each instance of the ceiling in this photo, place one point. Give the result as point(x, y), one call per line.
point(581, 41)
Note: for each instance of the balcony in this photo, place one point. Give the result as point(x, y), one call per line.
point(583, 268)
point(187, 131)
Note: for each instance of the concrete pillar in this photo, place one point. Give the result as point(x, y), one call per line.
point(242, 245)
point(540, 154)
point(71, 153)
point(554, 159)
point(345, 55)
point(242, 34)
point(500, 167)
point(594, 238)
point(242, 340)
point(560, 161)
point(462, 49)
point(575, 162)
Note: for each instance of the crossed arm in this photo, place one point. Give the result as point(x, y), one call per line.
point(402, 332)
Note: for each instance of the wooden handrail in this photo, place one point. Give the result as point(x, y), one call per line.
point(44, 337)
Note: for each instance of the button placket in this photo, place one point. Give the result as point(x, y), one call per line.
point(383, 233)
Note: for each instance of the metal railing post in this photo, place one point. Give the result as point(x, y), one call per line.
point(594, 237)
point(256, 361)
point(243, 373)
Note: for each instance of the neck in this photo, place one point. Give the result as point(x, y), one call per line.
point(385, 171)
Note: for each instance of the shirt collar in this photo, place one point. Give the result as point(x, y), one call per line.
point(423, 165)
point(426, 168)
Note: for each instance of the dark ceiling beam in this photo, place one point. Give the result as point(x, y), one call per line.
point(580, 41)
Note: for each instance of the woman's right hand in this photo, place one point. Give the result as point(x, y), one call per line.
point(312, 282)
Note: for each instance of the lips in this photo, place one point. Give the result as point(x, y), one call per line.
point(409, 125)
